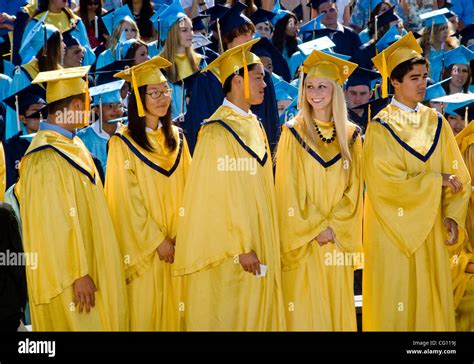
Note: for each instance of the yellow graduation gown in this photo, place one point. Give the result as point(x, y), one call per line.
point(229, 209)
point(407, 279)
point(314, 190)
point(66, 222)
point(3, 181)
point(144, 191)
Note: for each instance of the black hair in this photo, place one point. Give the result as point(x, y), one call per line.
point(50, 60)
point(62, 104)
point(137, 124)
point(228, 82)
point(403, 68)
point(280, 39)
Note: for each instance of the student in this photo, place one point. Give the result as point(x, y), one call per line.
point(457, 66)
point(148, 165)
point(417, 191)
point(228, 233)
point(79, 283)
point(319, 197)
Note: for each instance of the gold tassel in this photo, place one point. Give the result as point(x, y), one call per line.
point(432, 32)
point(369, 116)
point(87, 103)
point(246, 76)
point(384, 77)
point(141, 112)
point(219, 36)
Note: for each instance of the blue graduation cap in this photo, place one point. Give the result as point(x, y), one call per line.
point(69, 39)
point(124, 47)
point(107, 93)
point(391, 36)
point(285, 91)
point(316, 3)
point(30, 95)
point(216, 12)
point(198, 24)
point(262, 16)
point(466, 34)
point(435, 17)
point(280, 14)
point(166, 17)
point(106, 73)
point(466, 110)
point(362, 76)
point(450, 108)
point(114, 17)
point(435, 90)
point(460, 55)
point(313, 24)
point(11, 7)
point(319, 44)
point(36, 39)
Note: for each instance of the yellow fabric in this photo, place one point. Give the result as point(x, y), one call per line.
point(233, 60)
point(228, 212)
point(66, 221)
point(184, 66)
point(317, 285)
point(32, 69)
point(406, 274)
point(144, 205)
point(60, 20)
point(320, 64)
point(3, 181)
point(63, 83)
point(146, 73)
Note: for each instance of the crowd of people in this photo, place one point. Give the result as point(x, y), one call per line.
point(206, 165)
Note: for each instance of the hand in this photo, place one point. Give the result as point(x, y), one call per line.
point(452, 181)
point(84, 289)
point(166, 250)
point(326, 236)
point(453, 231)
point(250, 262)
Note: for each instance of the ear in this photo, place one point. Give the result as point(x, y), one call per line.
point(395, 83)
point(371, 93)
point(237, 81)
point(23, 119)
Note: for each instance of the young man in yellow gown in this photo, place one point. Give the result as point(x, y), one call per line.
point(418, 188)
point(78, 283)
point(227, 244)
point(319, 198)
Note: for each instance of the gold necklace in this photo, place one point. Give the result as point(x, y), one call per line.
point(326, 140)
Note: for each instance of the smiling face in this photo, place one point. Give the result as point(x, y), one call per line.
point(157, 106)
point(318, 93)
point(185, 33)
point(460, 74)
point(73, 56)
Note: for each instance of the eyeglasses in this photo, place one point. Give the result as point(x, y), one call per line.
point(157, 94)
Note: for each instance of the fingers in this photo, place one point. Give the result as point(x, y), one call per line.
point(81, 302)
point(257, 268)
point(88, 303)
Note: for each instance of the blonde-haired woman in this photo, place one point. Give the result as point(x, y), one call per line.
point(178, 50)
point(129, 27)
point(319, 199)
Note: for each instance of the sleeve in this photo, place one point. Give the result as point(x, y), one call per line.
point(299, 218)
point(397, 197)
point(346, 217)
point(138, 233)
point(51, 230)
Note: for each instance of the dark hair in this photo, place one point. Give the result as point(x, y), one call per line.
point(134, 47)
point(280, 39)
point(51, 60)
point(371, 23)
point(83, 13)
point(137, 124)
point(143, 19)
point(234, 33)
point(64, 103)
point(403, 68)
point(447, 74)
point(228, 82)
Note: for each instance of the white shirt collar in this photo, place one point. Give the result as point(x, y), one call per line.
point(103, 134)
point(403, 107)
point(149, 130)
point(340, 27)
point(235, 107)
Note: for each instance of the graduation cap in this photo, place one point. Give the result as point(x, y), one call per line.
point(285, 91)
point(456, 98)
point(466, 34)
point(318, 33)
point(124, 47)
point(435, 17)
point(262, 16)
point(466, 111)
point(216, 12)
point(280, 14)
point(11, 7)
point(107, 93)
point(233, 18)
point(362, 76)
point(319, 44)
point(166, 17)
point(234, 59)
point(459, 55)
point(327, 65)
point(114, 17)
point(436, 90)
point(36, 39)
point(402, 50)
point(265, 48)
point(200, 40)
point(69, 39)
point(198, 24)
point(313, 24)
point(391, 36)
point(373, 107)
point(146, 73)
point(316, 3)
point(384, 19)
point(106, 73)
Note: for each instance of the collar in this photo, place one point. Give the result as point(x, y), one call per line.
point(235, 107)
point(340, 27)
point(150, 130)
point(103, 134)
point(44, 125)
point(403, 107)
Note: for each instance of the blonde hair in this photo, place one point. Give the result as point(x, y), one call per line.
point(169, 51)
point(339, 114)
point(426, 36)
point(115, 37)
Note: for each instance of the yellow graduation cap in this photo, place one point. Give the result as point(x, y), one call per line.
point(404, 49)
point(325, 65)
point(146, 73)
point(232, 60)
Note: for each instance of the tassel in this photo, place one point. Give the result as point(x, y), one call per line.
point(246, 76)
point(376, 27)
point(87, 104)
point(384, 77)
point(219, 36)
point(141, 112)
point(465, 116)
point(100, 114)
point(369, 116)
